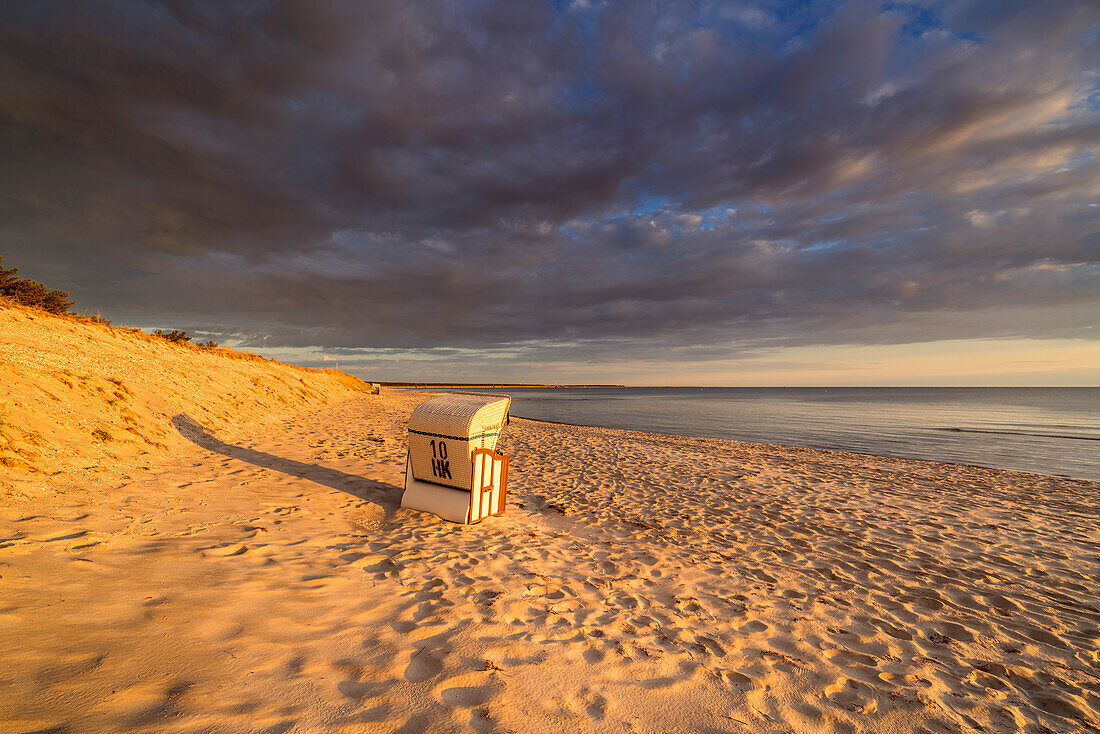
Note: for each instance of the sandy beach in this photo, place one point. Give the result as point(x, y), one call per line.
point(253, 572)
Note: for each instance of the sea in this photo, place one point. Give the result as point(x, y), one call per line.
point(1054, 431)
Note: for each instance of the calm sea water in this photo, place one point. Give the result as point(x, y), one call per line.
point(1042, 430)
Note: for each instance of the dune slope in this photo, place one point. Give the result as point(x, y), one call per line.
point(84, 398)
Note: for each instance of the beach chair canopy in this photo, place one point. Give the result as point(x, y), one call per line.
point(445, 431)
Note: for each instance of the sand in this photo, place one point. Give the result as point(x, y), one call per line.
point(269, 582)
point(83, 398)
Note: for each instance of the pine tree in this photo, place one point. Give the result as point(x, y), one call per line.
point(7, 275)
point(31, 293)
point(173, 336)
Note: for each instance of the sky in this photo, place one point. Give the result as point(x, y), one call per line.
point(643, 193)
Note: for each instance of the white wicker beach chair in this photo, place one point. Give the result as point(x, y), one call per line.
point(453, 469)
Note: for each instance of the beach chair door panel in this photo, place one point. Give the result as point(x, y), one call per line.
point(490, 475)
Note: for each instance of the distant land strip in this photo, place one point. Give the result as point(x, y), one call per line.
point(497, 386)
point(1021, 433)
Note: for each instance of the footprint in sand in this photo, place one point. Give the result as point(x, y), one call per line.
point(295, 665)
point(224, 551)
point(358, 690)
point(595, 705)
point(711, 645)
point(593, 656)
point(423, 665)
point(139, 702)
point(753, 626)
point(851, 695)
point(737, 681)
point(468, 690)
point(17, 544)
point(465, 696)
point(845, 658)
point(68, 667)
point(1046, 638)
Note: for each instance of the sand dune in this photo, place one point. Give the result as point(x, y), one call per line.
point(81, 398)
point(266, 580)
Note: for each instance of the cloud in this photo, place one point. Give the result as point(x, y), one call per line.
point(682, 179)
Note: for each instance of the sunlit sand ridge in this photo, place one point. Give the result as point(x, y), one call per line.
point(85, 398)
point(257, 574)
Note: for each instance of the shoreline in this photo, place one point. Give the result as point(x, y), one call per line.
point(792, 447)
point(806, 448)
point(966, 429)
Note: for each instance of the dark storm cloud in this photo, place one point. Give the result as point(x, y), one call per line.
point(598, 180)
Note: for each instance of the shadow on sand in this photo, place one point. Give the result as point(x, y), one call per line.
point(386, 495)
